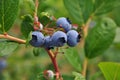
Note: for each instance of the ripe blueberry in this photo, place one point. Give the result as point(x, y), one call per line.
point(48, 43)
point(73, 38)
point(37, 39)
point(64, 23)
point(59, 38)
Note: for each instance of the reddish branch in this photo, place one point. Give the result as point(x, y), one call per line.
point(53, 59)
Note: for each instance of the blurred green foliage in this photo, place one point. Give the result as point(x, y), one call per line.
point(23, 65)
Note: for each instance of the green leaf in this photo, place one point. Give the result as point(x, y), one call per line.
point(44, 6)
point(36, 51)
point(115, 15)
point(73, 57)
point(27, 6)
point(100, 37)
point(105, 6)
point(27, 25)
point(6, 48)
point(117, 37)
point(78, 76)
point(80, 10)
point(39, 51)
point(8, 13)
point(28, 39)
point(87, 8)
point(110, 70)
point(45, 18)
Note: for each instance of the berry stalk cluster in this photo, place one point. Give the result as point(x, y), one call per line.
point(64, 35)
point(58, 38)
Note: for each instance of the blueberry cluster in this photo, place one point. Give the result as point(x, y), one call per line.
point(59, 38)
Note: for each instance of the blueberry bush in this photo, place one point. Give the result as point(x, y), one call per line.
point(59, 40)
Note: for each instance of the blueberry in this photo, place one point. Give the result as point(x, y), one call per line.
point(48, 43)
point(59, 38)
point(64, 23)
point(73, 38)
point(37, 39)
point(3, 64)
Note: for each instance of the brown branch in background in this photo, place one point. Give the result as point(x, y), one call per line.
point(6, 36)
point(85, 63)
point(85, 31)
point(86, 27)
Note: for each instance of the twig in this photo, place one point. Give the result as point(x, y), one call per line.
point(56, 52)
point(86, 26)
point(53, 59)
point(36, 7)
point(36, 22)
point(85, 63)
point(85, 31)
point(6, 36)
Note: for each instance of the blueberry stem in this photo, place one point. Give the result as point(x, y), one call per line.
point(36, 7)
point(52, 54)
point(6, 36)
point(53, 59)
point(56, 52)
point(36, 22)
